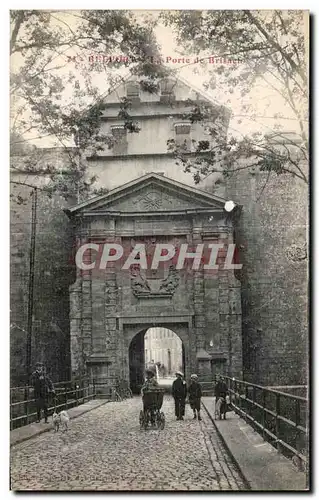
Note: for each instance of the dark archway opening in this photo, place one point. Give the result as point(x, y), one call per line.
point(183, 358)
point(157, 347)
point(137, 362)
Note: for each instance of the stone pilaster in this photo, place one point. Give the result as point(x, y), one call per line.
point(230, 315)
point(77, 366)
point(198, 291)
point(112, 344)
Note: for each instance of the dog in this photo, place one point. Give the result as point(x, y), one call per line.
point(220, 409)
point(64, 417)
point(61, 419)
point(56, 421)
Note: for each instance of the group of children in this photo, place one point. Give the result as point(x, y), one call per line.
point(179, 393)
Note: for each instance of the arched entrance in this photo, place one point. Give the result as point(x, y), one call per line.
point(158, 347)
point(137, 362)
point(116, 295)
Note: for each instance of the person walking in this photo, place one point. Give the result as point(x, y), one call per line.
point(42, 389)
point(149, 385)
point(179, 392)
point(194, 396)
point(150, 381)
point(221, 391)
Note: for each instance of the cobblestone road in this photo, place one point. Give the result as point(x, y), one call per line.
point(106, 450)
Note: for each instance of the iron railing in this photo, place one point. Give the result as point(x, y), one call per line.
point(280, 417)
point(67, 395)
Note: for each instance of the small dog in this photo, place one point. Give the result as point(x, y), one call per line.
point(56, 421)
point(220, 409)
point(61, 419)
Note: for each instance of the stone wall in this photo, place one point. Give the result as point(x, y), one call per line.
point(53, 274)
point(273, 283)
point(108, 310)
point(272, 238)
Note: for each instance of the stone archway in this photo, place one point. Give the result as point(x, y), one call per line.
point(137, 360)
point(134, 347)
point(110, 305)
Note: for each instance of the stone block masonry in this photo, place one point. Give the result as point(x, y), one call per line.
point(181, 299)
point(274, 280)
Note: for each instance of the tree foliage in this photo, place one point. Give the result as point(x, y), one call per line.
point(270, 49)
point(44, 68)
point(48, 49)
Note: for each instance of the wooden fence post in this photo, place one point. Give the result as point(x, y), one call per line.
point(263, 402)
point(76, 394)
point(26, 405)
point(252, 409)
point(297, 418)
point(239, 395)
point(66, 396)
point(235, 392)
point(278, 421)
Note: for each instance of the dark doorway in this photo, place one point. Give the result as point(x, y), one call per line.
point(137, 362)
point(183, 358)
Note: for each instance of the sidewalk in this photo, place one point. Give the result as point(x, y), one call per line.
point(262, 466)
point(30, 431)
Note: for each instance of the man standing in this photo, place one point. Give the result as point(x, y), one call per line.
point(42, 387)
point(221, 388)
point(194, 396)
point(179, 392)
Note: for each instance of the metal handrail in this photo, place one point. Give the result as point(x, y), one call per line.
point(23, 387)
point(81, 389)
point(286, 394)
point(117, 390)
point(257, 412)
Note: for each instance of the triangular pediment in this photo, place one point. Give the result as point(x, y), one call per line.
point(151, 193)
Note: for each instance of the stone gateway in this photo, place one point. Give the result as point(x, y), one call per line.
point(110, 310)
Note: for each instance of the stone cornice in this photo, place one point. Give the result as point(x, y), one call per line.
point(158, 213)
point(179, 102)
point(218, 355)
point(95, 359)
point(145, 117)
point(140, 156)
point(153, 295)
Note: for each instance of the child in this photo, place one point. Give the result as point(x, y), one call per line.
point(150, 382)
point(194, 396)
point(149, 385)
point(179, 393)
point(221, 392)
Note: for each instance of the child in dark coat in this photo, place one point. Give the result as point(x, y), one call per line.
point(221, 391)
point(179, 393)
point(194, 396)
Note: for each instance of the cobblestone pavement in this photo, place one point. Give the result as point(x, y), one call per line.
point(106, 450)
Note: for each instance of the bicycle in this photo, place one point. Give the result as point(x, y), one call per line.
point(116, 396)
point(122, 390)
